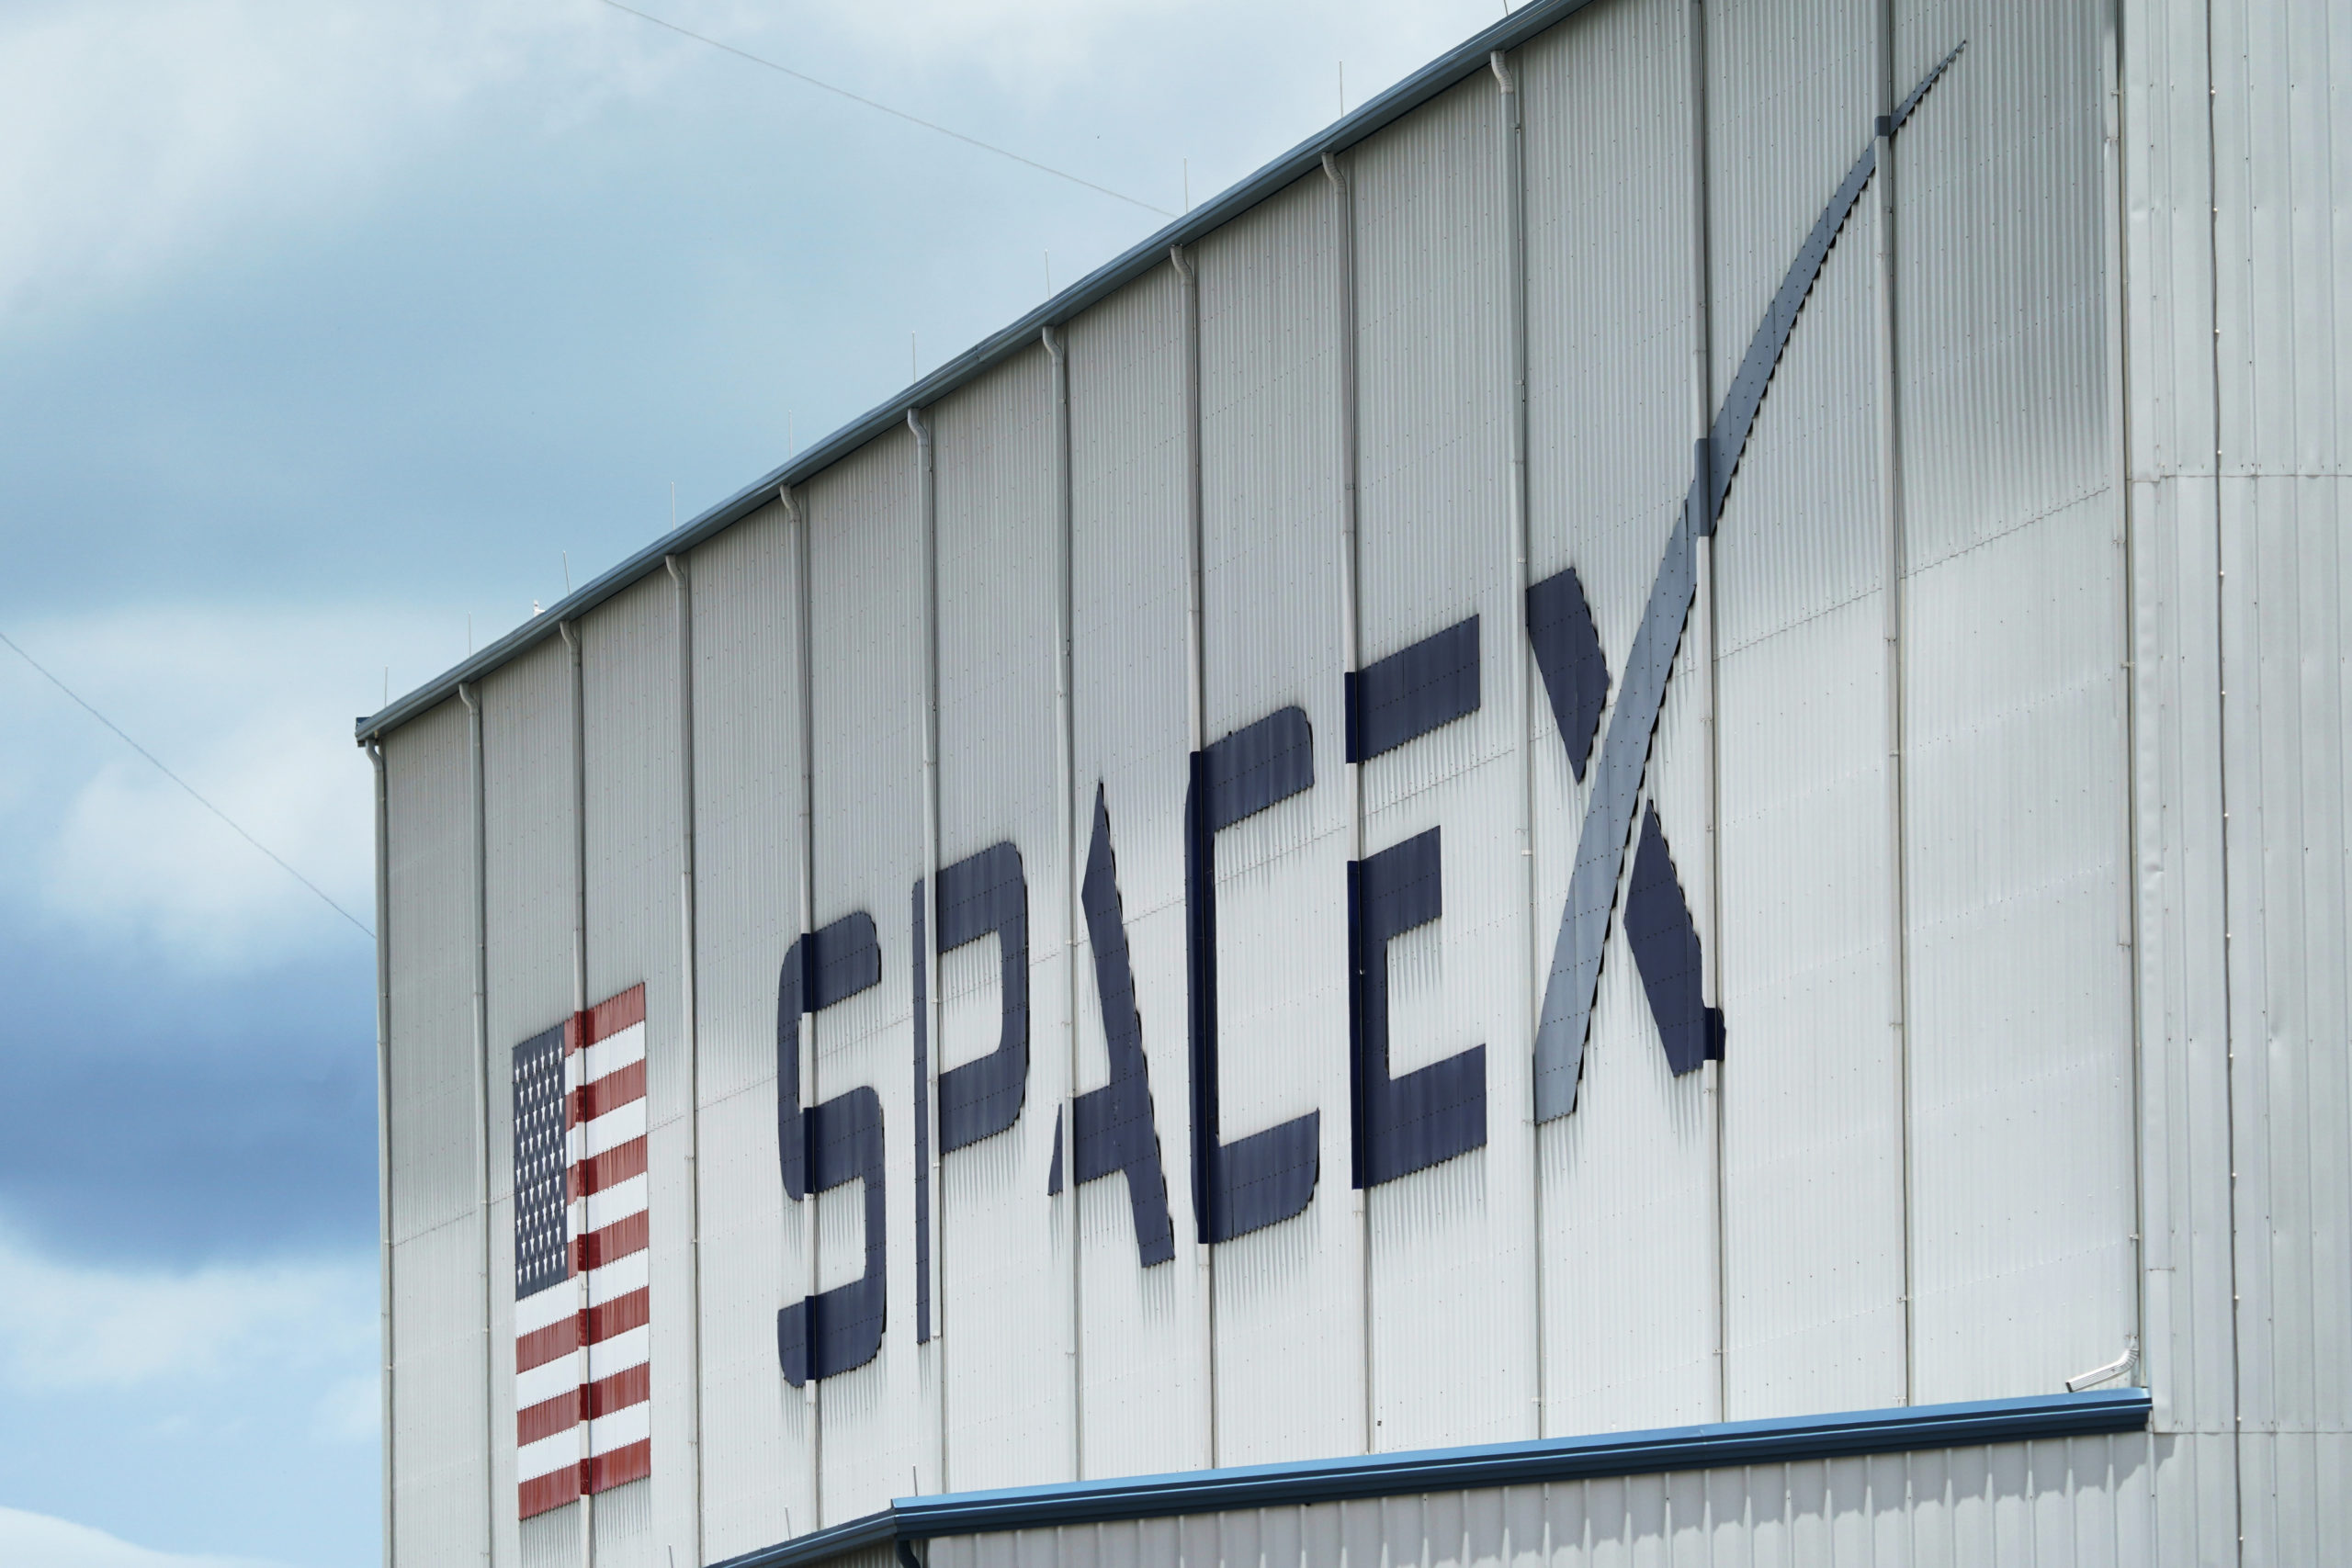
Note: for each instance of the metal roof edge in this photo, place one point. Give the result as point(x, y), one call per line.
point(1447, 72)
point(1779, 1441)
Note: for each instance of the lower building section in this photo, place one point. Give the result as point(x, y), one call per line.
point(2073, 1480)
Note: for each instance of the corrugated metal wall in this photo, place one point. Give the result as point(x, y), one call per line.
point(1004, 1279)
point(867, 643)
point(1736, 1242)
point(1611, 307)
point(756, 1483)
point(439, 1401)
point(1289, 1298)
point(2075, 1504)
point(2233, 119)
point(1144, 1351)
point(630, 678)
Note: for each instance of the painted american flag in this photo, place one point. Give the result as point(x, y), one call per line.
point(582, 1331)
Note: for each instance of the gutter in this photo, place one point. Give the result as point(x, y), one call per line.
point(1786, 1440)
point(1457, 65)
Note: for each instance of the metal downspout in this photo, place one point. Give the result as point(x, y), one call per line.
point(384, 1124)
point(469, 694)
point(1514, 180)
point(1890, 495)
point(571, 633)
point(1351, 658)
point(804, 696)
point(688, 982)
point(1188, 284)
point(927, 503)
point(1066, 765)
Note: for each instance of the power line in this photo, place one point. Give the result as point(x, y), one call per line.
point(192, 793)
point(898, 114)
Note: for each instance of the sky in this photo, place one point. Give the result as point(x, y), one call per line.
point(333, 337)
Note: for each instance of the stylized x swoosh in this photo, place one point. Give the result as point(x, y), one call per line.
point(1567, 1017)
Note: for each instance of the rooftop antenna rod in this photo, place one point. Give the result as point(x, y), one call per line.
point(1343, 89)
point(567, 572)
point(1188, 185)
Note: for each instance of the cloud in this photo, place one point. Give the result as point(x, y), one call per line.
point(67, 1327)
point(59, 1543)
point(252, 707)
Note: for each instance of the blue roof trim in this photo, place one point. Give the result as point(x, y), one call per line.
point(1784, 1440)
point(1448, 71)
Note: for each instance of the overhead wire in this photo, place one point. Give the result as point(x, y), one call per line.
point(803, 77)
point(193, 794)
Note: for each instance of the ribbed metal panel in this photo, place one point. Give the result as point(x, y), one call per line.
point(2287, 580)
point(629, 661)
point(1451, 1272)
point(866, 570)
point(1813, 1179)
point(1001, 1265)
point(2190, 1286)
point(2080, 1503)
point(1143, 1353)
point(438, 1399)
point(747, 911)
point(530, 907)
point(435, 1152)
point(2282, 217)
point(1611, 300)
point(2014, 749)
point(1289, 1378)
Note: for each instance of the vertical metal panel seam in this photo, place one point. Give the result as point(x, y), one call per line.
point(927, 506)
point(687, 980)
point(1196, 715)
point(1066, 768)
point(1890, 483)
point(384, 1126)
point(1514, 151)
point(1701, 419)
point(469, 694)
point(579, 687)
point(2222, 773)
point(804, 1028)
point(1351, 656)
point(2115, 217)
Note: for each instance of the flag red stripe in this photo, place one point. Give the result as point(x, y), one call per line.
point(611, 1016)
point(598, 1248)
point(620, 1315)
point(631, 1386)
point(541, 1346)
point(632, 1462)
point(610, 1092)
point(552, 1490)
point(547, 1418)
point(610, 1168)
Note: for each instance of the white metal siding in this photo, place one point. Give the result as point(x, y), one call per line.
point(2077, 1504)
point(866, 570)
point(2015, 664)
point(440, 1408)
point(747, 912)
point(1289, 1304)
point(1629, 1246)
point(1002, 1257)
point(1143, 1354)
point(1452, 1270)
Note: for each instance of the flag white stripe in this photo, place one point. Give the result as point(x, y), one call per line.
point(613, 1053)
point(546, 1308)
point(548, 1455)
point(543, 1382)
point(621, 1429)
point(629, 1348)
point(618, 1278)
point(618, 1201)
point(610, 1131)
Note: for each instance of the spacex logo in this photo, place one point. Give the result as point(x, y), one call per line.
point(1398, 1122)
